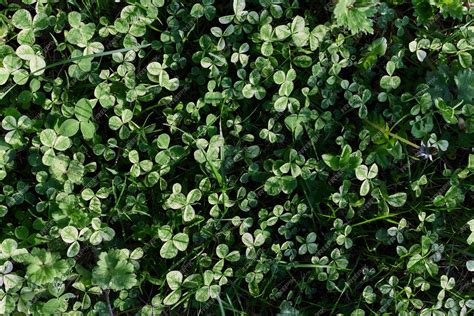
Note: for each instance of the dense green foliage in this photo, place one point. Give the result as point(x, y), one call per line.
point(236, 157)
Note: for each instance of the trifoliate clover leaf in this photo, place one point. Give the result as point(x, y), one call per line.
point(207, 290)
point(9, 249)
point(174, 280)
point(170, 248)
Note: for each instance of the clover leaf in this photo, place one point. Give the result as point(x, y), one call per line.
point(364, 174)
point(172, 243)
point(208, 290)
point(174, 280)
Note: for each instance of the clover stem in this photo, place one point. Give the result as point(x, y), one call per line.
point(403, 140)
point(109, 307)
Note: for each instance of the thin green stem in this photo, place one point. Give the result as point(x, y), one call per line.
point(403, 140)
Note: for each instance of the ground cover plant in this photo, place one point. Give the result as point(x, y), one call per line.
point(236, 157)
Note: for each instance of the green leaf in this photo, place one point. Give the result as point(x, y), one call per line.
point(421, 54)
point(87, 194)
point(272, 186)
point(465, 59)
point(137, 253)
point(9, 123)
point(446, 111)
point(332, 161)
point(37, 64)
point(163, 141)
point(214, 290)
point(180, 241)
point(22, 19)
point(83, 110)
point(239, 6)
point(126, 116)
point(355, 17)
point(73, 249)
point(172, 298)
point(155, 69)
point(247, 240)
point(4, 75)
point(376, 49)
point(390, 82)
point(281, 104)
point(303, 61)
point(365, 188)
point(197, 10)
point(95, 238)
point(390, 68)
point(9, 249)
point(174, 279)
point(188, 214)
point(115, 123)
point(202, 294)
point(282, 32)
point(267, 49)
point(177, 200)
point(11, 281)
point(234, 256)
point(449, 48)
point(397, 199)
point(361, 172)
point(369, 295)
point(222, 250)
point(168, 250)
point(51, 306)
point(48, 157)
point(266, 32)
point(425, 245)
point(133, 156)
point(470, 163)
point(297, 25)
point(470, 239)
point(358, 312)
point(279, 77)
point(87, 129)
point(373, 171)
point(44, 266)
point(415, 263)
point(69, 234)
point(470, 265)
point(288, 184)
point(13, 137)
point(25, 52)
point(300, 34)
point(69, 128)
point(113, 271)
point(48, 137)
point(62, 143)
point(165, 233)
point(294, 124)
point(74, 19)
point(316, 36)
point(193, 196)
